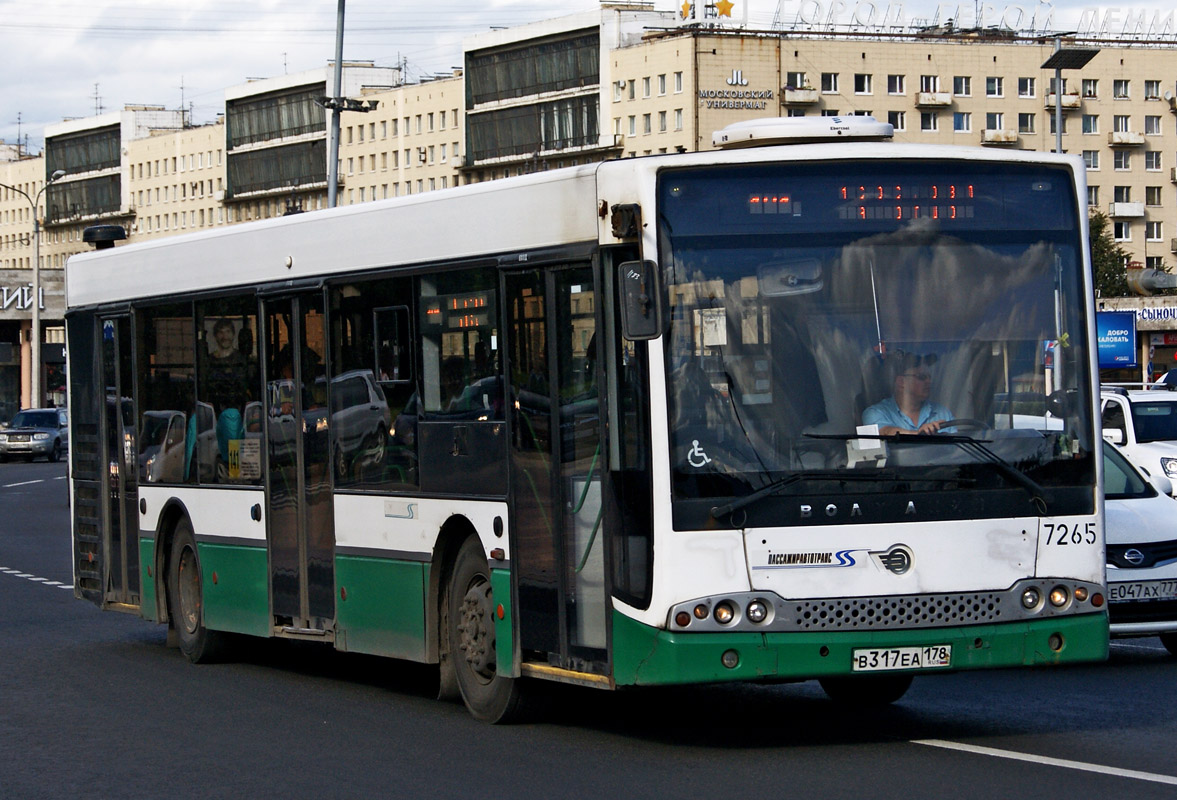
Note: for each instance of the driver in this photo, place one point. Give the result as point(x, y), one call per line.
point(909, 410)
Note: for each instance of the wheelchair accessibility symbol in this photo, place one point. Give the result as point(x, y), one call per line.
point(696, 457)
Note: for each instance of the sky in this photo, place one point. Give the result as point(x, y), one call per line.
point(75, 58)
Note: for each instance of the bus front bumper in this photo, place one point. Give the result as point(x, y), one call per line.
point(644, 655)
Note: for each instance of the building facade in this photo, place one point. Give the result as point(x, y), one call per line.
point(622, 81)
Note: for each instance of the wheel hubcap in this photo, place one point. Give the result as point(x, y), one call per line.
point(476, 630)
point(189, 590)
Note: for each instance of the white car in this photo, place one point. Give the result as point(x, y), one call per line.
point(1143, 424)
point(1141, 551)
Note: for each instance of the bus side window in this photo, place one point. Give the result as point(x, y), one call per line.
point(225, 450)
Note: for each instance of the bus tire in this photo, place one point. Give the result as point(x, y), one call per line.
point(186, 600)
point(866, 690)
point(470, 629)
point(1169, 640)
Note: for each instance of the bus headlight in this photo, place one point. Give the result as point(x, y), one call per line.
point(724, 613)
point(1059, 596)
point(756, 611)
point(1031, 598)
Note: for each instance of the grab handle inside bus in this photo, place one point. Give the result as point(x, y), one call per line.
point(639, 292)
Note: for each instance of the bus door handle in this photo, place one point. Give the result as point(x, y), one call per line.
point(255, 512)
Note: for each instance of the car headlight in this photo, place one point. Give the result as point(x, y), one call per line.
point(40, 436)
point(1169, 465)
point(3, 438)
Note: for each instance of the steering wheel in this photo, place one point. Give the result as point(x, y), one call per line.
point(964, 422)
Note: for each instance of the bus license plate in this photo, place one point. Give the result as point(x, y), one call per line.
point(873, 659)
point(1142, 590)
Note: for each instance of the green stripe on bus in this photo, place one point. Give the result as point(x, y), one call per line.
point(648, 656)
point(147, 598)
point(380, 606)
point(236, 583)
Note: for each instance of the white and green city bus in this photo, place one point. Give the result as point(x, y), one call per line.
point(605, 425)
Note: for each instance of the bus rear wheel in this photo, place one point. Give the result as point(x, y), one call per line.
point(186, 600)
point(866, 690)
point(470, 625)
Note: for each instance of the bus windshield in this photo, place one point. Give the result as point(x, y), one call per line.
point(820, 312)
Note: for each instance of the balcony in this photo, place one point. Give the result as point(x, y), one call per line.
point(1070, 101)
point(1126, 139)
point(800, 97)
point(933, 99)
point(1126, 210)
point(998, 137)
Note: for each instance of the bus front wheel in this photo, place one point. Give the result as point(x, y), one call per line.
point(186, 601)
point(470, 625)
point(866, 690)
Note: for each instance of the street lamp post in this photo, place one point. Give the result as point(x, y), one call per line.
point(35, 338)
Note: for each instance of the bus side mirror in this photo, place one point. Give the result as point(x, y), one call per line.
point(639, 291)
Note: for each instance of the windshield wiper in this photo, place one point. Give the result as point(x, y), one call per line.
point(975, 447)
point(869, 475)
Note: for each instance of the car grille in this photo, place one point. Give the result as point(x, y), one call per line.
point(20, 437)
point(1154, 611)
point(1154, 553)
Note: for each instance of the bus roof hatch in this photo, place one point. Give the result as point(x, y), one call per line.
point(797, 130)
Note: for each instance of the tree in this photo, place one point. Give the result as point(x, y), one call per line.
point(1108, 260)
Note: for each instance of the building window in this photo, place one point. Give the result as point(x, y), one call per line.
point(896, 84)
point(1053, 127)
point(662, 84)
point(1025, 87)
point(962, 86)
point(1091, 123)
point(795, 112)
point(1122, 231)
point(1120, 89)
point(898, 120)
point(829, 83)
point(645, 87)
point(646, 124)
point(1091, 88)
point(633, 125)
point(1054, 89)
point(678, 119)
point(994, 87)
point(618, 88)
point(1091, 159)
point(632, 89)
point(1093, 196)
point(662, 121)
point(1152, 231)
point(1152, 125)
point(1152, 195)
point(929, 121)
point(929, 83)
point(1122, 194)
point(1152, 90)
point(829, 112)
point(862, 112)
point(677, 82)
point(1122, 123)
point(794, 80)
point(862, 83)
point(995, 121)
point(1152, 160)
point(1154, 262)
point(1026, 122)
point(1121, 160)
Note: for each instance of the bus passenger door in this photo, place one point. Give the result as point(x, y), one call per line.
point(556, 466)
point(299, 519)
point(120, 579)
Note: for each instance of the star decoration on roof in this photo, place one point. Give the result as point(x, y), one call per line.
point(724, 8)
point(685, 11)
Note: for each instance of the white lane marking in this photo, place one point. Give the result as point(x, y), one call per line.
point(1052, 762)
point(31, 578)
point(60, 478)
point(22, 483)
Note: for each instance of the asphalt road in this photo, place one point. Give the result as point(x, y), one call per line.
point(95, 704)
